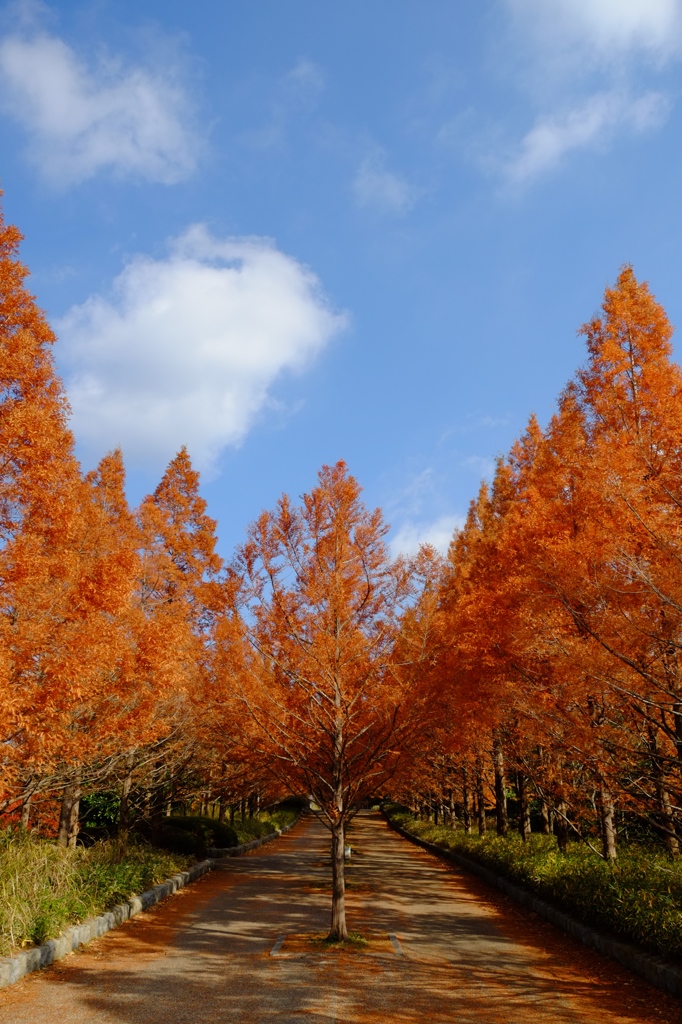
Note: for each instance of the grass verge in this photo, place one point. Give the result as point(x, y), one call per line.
point(265, 825)
point(638, 899)
point(44, 888)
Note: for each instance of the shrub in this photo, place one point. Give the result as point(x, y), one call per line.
point(207, 831)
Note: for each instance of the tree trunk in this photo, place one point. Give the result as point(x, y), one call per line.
point(243, 808)
point(607, 812)
point(668, 821)
point(666, 814)
point(500, 788)
point(466, 801)
point(452, 811)
point(524, 806)
point(124, 808)
point(561, 825)
point(546, 816)
point(25, 813)
point(233, 808)
point(157, 804)
point(338, 932)
point(221, 808)
point(480, 799)
point(68, 818)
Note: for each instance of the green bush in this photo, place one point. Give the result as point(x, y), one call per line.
point(44, 888)
point(256, 828)
point(205, 831)
point(639, 898)
point(100, 811)
point(196, 833)
point(178, 840)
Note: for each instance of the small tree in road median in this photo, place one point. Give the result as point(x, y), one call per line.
point(323, 603)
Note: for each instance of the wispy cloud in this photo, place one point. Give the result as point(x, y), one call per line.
point(296, 94)
point(185, 349)
point(410, 536)
point(81, 119)
point(375, 185)
point(587, 67)
point(592, 125)
point(607, 26)
point(482, 465)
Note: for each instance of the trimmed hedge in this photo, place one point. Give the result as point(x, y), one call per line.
point(194, 835)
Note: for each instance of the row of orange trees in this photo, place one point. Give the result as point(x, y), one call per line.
point(557, 657)
point(108, 615)
point(541, 658)
point(134, 662)
point(132, 659)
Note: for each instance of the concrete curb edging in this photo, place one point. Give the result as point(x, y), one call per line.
point(658, 973)
point(12, 968)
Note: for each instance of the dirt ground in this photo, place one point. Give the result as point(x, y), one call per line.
point(462, 952)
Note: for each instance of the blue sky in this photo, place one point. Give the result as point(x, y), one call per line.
point(288, 233)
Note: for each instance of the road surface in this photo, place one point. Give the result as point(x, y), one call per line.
point(462, 952)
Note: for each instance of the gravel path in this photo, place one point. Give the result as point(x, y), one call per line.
point(463, 952)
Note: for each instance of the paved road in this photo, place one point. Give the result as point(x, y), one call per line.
point(469, 954)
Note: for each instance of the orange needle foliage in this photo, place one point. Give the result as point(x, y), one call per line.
point(561, 615)
point(331, 706)
point(543, 655)
point(58, 590)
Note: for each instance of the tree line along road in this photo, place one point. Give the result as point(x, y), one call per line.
point(214, 952)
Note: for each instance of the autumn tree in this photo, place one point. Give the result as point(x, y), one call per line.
point(179, 595)
point(57, 596)
point(561, 610)
point(323, 601)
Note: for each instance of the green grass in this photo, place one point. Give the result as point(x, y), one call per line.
point(355, 941)
point(638, 899)
point(256, 828)
point(44, 888)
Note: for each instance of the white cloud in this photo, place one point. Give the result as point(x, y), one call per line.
point(81, 120)
point(604, 25)
point(374, 185)
point(186, 348)
point(590, 125)
point(411, 535)
point(588, 67)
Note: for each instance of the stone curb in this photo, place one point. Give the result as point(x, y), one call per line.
point(658, 973)
point(15, 967)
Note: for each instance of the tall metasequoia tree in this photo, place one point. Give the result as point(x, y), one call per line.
point(324, 601)
point(181, 595)
point(67, 571)
point(631, 392)
point(99, 707)
point(41, 643)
